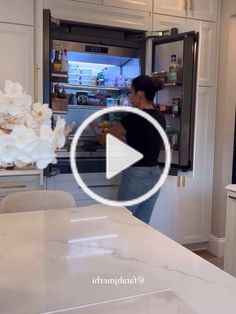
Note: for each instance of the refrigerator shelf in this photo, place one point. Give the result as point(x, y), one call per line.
point(172, 115)
point(76, 86)
point(85, 107)
point(59, 112)
point(173, 84)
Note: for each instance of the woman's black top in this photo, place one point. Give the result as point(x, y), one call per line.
point(144, 137)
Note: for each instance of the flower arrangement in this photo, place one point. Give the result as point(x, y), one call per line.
point(26, 135)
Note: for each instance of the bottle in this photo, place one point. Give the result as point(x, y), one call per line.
point(172, 78)
point(64, 61)
point(57, 61)
point(56, 93)
point(63, 93)
point(106, 76)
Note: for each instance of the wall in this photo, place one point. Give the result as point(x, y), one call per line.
point(225, 115)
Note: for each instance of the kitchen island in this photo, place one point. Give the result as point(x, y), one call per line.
point(96, 259)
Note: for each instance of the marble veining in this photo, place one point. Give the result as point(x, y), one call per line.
point(48, 260)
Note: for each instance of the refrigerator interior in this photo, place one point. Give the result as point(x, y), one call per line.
point(84, 69)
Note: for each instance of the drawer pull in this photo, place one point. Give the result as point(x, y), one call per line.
point(12, 186)
point(234, 198)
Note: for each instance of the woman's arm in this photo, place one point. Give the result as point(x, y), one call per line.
point(117, 130)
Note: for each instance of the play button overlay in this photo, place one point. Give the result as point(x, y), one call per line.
point(119, 156)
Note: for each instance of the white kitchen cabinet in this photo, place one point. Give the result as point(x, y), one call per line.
point(230, 237)
point(164, 22)
point(17, 55)
point(193, 9)
point(18, 181)
point(170, 7)
point(208, 54)
point(183, 209)
point(18, 12)
point(164, 215)
point(67, 182)
point(194, 219)
point(203, 9)
point(88, 1)
point(207, 59)
point(99, 14)
point(142, 5)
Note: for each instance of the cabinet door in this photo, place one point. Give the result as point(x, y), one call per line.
point(17, 55)
point(194, 220)
point(164, 215)
point(163, 22)
point(230, 243)
point(15, 11)
point(203, 9)
point(142, 5)
point(99, 14)
point(170, 7)
point(207, 54)
point(88, 1)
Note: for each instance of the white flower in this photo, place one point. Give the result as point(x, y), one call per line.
point(8, 149)
point(58, 134)
point(14, 101)
point(22, 135)
point(26, 135)
point(40, 151)
point(41, 113)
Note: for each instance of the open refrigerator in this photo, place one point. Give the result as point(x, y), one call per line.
point(101, 64)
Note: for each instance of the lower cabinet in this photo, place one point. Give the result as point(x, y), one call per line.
point(66, 182)
point(18, 182)
point(230, 243)
point(183, 209)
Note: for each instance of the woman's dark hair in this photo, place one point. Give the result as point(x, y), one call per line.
point(147, 84)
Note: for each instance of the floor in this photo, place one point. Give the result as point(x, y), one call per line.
point(217, 261)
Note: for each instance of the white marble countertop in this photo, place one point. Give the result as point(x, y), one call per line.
point(50, 259)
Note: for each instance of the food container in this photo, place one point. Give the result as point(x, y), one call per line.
point(112, 102)
point(162, 75)
point(60, 104)
point(82, 98)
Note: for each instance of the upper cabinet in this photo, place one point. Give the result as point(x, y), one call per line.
point(208, 54)
point(99, 14)
point(203, 9)
point(17, 55)
point(18, 12)
point(142, 5)
point(170, 7)
point(88, 1)
point(195, 9)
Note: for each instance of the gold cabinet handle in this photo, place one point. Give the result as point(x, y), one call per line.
point(11, 186)
point(36, 82)
point(178, 181)
point(183, 182)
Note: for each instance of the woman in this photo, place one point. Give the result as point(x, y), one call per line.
point(143, 137)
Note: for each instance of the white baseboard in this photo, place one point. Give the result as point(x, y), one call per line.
point(216, 246)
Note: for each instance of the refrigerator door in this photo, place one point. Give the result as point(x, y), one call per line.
point(177, 99)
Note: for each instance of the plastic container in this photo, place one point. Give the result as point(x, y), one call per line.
point(112, 102)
